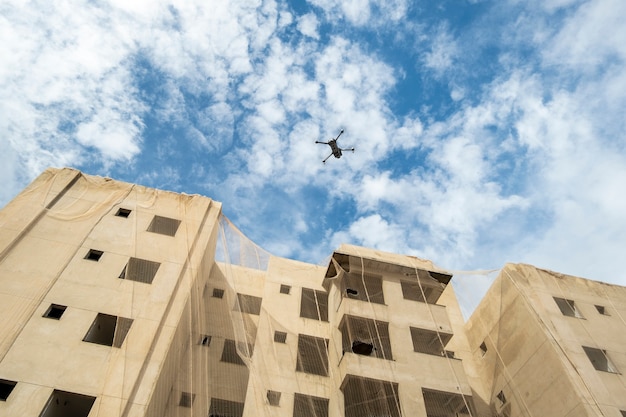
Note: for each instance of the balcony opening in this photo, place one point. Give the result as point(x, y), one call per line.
point(370, 397)
point(366, 337)
point(429, 342)
point(364, 287)
point(447, 404)
point(308, 406)
point(248, 304)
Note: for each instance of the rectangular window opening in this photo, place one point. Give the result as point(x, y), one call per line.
point(55, 311)
point(140, 270)
point(380, 396)
point(483, 348)
point(314, 304)
point(231, 354)
point(248, 304)
point(430, 342)
point(225, 408)
point(285, 289)
point(63, 403)
point(94, 255)
point(600, 360)
point(273, 398)
point(568, 307)
point(6, 387)
point(366, 337)
point(108, 330)
point(205, 340)
point(308, 405)
point(280, 337)
point(501, 397)
point(123, 212)
point(186, 399)
point(218, 293)
point(602, 310)
point(312, 355)
point(164, 225)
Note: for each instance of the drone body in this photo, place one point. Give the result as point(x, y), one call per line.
point(336, 151)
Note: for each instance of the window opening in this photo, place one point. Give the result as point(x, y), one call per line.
point(366, 337)
point(312, 355)
point(164, 225)
point(370, 397)
point(285, 289)
point(140, 270)
point(600, 360)
point(6, 387)
point(430, 342)
point(94, 255)
point(55, 311)
point(108, 330)
point(122, 212)
point(273, 397)
point(205, 340)
point(248, 304)
point(602, 310)
point(483, 348)
point(447, 404)
point(67, 404)
point(218, 293)
point(568, 307)
point(280, 337)
point(364, 287)
point(225, 408)
point(230, 354)
point(314, 304)
point(501, 397)
point(186, 399)
point(308, 405)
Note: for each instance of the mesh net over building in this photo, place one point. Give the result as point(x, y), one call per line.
point(120, 300)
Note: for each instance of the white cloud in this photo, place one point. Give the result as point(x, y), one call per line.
point(364, 12)
point(443, 51)
point(307, 25)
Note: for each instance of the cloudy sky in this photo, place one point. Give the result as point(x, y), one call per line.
point(486, 131)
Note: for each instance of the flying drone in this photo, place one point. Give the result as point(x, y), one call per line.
point(336, 150)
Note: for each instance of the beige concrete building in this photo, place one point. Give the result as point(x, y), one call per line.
point(121, 300)
point(547, 344)
point(113, 304)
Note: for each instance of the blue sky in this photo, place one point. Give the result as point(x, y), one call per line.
point(486, 132)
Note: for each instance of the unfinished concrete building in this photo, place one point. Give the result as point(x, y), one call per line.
point(548, 344)
point(114, 304)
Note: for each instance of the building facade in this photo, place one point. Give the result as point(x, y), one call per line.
point(121, 300)
point(114, 305)
point(548, 344)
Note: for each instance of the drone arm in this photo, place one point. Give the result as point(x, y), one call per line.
point(340, 133)
point(325, 159)
point(324, 143)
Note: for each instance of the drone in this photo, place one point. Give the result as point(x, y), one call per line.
point(336, 150)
